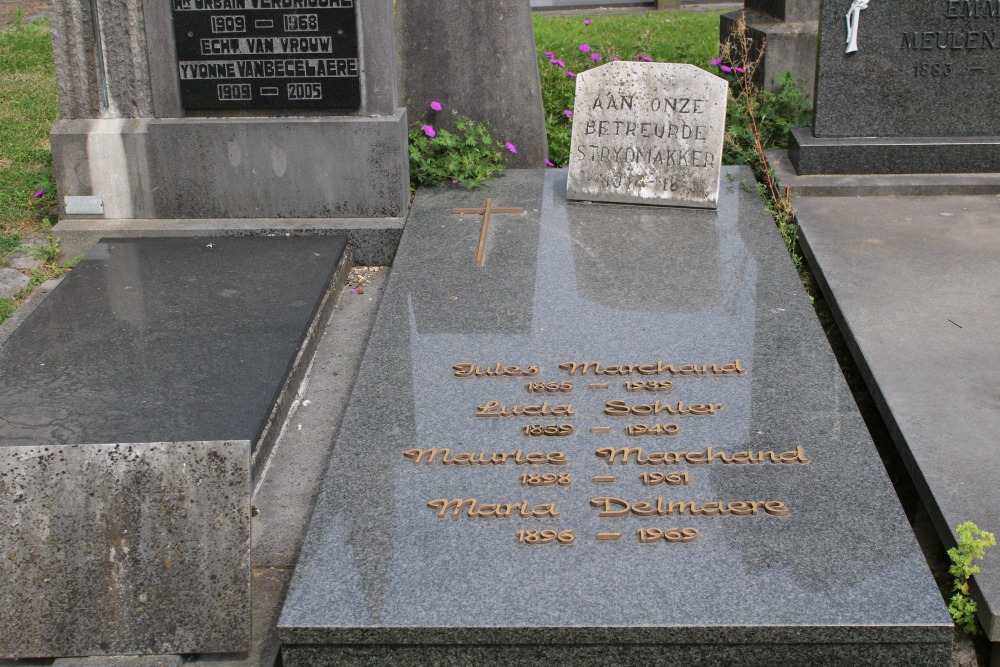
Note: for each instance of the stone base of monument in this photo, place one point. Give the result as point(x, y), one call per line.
point(623, 439)
point(876, 185)
point(301, 167)
point(892, 155)
point(372, 241)
point(914, 285)
point(140, 401)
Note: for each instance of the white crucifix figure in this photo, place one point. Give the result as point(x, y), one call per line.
point(853, 19)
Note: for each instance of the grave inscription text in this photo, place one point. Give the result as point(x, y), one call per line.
point(648, 133)
point(267, 54)
point(606, 506)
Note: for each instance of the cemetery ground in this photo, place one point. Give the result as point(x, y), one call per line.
point(28, 106)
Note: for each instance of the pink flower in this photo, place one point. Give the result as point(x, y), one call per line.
point(549, 162)
point(595, 56)
point(585, 47)
point(645, 59)
point(428, 130)
point(436, 106)
point(570, 74)
point(558, 63)
point(615, 58)
point(38, 195)
point(740, 70)
point(511, 147)
point(549, 55)
point(567, 113)
point(586, 22)
point(717, 61)
point(725, 68)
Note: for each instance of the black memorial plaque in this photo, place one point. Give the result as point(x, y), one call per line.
point(267, 54)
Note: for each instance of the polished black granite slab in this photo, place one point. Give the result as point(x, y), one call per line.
point(163, 340)
point(892, 155)
point(382, 579)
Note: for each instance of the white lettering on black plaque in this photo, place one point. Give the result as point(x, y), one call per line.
point(267, 54)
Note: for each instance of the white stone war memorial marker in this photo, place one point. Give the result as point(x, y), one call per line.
point(648, 133)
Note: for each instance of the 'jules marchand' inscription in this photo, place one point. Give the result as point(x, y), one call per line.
point(267, 54)
point(548, 469)
point(648, 133)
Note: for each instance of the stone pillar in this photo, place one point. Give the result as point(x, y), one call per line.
point(789, 30)
point(478, 58)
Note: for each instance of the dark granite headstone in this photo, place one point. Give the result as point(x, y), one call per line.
point(132, 400)
point(905, 88)
point(414, 561)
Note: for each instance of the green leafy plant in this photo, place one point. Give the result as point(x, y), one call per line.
point(469, 156)
point(972, 545)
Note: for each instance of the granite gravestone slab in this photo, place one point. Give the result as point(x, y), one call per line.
point(265, 54)
point(136, 402)
point(914, 286)
point(888, 81)
point(648, 133)
point(651, 471)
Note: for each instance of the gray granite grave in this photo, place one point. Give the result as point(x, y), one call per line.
point(829, 574)
point(138, 403)
point(648, 133)
point(787, 30)
point(887, 90)
point(914, 283)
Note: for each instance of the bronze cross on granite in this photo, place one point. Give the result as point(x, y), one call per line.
point(485, 212)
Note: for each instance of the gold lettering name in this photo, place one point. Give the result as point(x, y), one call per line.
point(468, 370)
point(734, 367)
point(494, 409)
point(616, 507)
point(622, 409)
point(473, 510)
point(708, 455)
point(518, 457)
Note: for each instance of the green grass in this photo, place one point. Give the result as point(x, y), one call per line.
point(661, 36)
point(28, 105)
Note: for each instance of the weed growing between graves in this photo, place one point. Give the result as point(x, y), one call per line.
point(50, 268)
point(758, 120)
point(972, 545)
point(470, 156)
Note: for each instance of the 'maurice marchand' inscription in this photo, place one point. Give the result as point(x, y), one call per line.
point(648, 133)
point(546, 426)
point(267, 53)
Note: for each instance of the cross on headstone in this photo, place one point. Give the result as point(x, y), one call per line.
point(486, 211)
